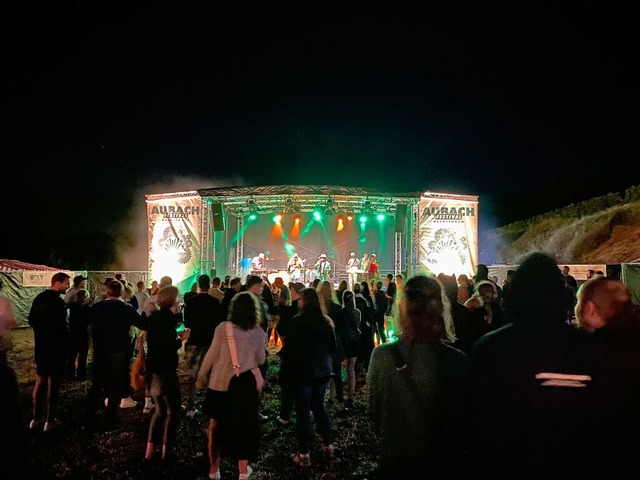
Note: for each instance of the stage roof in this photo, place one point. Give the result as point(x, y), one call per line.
point(305, 198)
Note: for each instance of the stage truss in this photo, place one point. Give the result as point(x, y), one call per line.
point(334, 200)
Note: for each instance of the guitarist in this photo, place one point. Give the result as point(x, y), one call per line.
point(294, 267)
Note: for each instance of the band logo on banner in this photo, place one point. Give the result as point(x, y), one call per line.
point(448, 235)
point(40, 278)
point(175, 236)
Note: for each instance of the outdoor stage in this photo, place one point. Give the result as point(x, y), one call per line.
point(217, 230)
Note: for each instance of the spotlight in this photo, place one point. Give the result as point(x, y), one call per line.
point(278, 217)
point(328, 209)
point(349, 216)
point(297, 218)
point(380, 217)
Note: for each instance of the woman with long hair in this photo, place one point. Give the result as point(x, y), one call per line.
point(161, 366)
point(330, 306)
point(417, 386)
point(310, 342)
point(233, 416)
point(350, 336)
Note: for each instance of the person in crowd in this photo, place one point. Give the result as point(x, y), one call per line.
point(366, 309)
point(381, 302)
point(330, 306)
point(79, 283)
point(215, 291)
point(7, 322)
point(342, 287)
point(110, 323)
point(484, 309)
point(282, 302)
point(202, 314)
point(235, 284)
point(352, 270)
point(322, 268)
point(390, 291)
point(13, 435)
point(604, 309)
point(151, 304)
point(534, 384)
point(572, 285)
point(141, 295)
point(234, 429)
point(193, 291)
point(161, 367)
point(310, 343)
point(286, 388)
point(506, 286)
point(590, 274)
point(465, 288)
point(418, 387)
point(465, 333)
point(351, 342)
point(78, 335)
point(48, 319)
point(154, 288)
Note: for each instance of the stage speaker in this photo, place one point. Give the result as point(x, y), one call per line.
point(401, 218)
point(217, 212)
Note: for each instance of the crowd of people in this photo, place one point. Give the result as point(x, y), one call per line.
point(457, 370)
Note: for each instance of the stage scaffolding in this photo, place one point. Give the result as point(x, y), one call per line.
point(292, 199)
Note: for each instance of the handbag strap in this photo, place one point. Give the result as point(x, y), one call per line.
point(231, 341)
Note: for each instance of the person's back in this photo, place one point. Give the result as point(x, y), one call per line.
point(533, 387)
point(202, 314)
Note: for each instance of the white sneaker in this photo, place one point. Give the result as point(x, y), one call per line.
point(128, 403)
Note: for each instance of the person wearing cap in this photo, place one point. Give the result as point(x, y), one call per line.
point(79, 283)
point(323, 268)
point(257, 262)
point(294, 267)
point(352, 270)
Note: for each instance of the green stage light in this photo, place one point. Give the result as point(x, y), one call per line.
point(380, 217)
point(316, 215)
point(253, 216)
point(363, 219)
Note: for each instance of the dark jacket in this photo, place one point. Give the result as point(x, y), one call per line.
point(111, 321)
point(202, 314)
point(162, 343)
point(310, 344)
point(48, 319)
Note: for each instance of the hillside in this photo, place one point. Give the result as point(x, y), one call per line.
point(601, 230)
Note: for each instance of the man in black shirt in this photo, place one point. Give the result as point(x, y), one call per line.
point(202, 314)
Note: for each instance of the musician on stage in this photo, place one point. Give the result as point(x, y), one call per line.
point(352, 270)
point(364, 266)
point(323, 267)
point(257, 263)
point(294, 267)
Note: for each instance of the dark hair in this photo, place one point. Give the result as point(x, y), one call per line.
point(114, 288)
point(253, 280)
point(234, 281)
point(81, 295)
point(365, 289)
point(244, 310)
point(204, 282)
point(348, 300)
point(311, 300)
point(59, 277)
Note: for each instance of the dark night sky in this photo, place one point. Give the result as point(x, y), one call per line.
point(530, 109)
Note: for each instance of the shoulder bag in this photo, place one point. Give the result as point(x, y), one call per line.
point(231, 341)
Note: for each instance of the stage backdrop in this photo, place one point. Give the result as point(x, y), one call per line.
point(175, 237)
point(448, 234)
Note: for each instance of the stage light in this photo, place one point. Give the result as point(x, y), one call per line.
point(349, 216)
point(253, 216)
point(328, 209)
point(363, 219)
point(340, 224)
point(278, 217)
point(316, 215)
point(297, 218)
point(380, 217)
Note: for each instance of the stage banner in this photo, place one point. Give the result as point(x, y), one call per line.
point(40, 278)
point(448, 234)
point(175, 236)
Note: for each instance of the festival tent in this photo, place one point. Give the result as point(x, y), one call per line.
point(23, 281)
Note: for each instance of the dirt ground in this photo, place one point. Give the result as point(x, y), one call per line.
point(73, 453)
